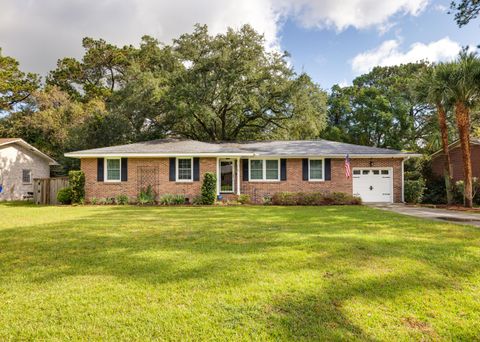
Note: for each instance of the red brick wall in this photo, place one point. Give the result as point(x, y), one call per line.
point(457, 162)
point(257, 190)
point(160, 181)
point(338, 182)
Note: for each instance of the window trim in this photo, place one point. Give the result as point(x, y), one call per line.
point(264, 170)
point(323, 170)
point(29, 176)
point(177, 169)
point(105, 170)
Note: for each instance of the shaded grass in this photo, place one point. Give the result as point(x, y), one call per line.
point(235, 273)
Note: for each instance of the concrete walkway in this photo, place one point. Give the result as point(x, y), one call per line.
point(442, 215)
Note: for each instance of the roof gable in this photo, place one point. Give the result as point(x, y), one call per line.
point(28, 147)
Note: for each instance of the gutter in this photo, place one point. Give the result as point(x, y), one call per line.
point(254, 155)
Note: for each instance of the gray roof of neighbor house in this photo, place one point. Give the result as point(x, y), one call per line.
point(455, 144)
point(278, 148)
point(27, 146)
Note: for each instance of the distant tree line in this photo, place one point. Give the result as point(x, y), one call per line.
point(229, 87)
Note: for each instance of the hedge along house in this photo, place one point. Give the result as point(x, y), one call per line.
point(258, 169)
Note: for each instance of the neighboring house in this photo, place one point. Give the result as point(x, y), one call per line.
point(258, 169)
point(455, 151)
point(20, 163)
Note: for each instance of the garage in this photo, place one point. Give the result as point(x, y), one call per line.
point(373, 184)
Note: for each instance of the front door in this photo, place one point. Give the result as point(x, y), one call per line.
point(226, 176)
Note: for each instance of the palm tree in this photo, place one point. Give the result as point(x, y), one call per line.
point(431, 89)
point(462, 85)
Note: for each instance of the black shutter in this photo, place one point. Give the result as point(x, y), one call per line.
point(328, 169)
point(171, 177)
point(196, 169)
point(283, 169)
point(245, 170)
point(305, 169)
point(100, 162)
point(124, 166)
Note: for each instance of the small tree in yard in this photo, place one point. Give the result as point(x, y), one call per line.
point(76, 180)
point(209, 187)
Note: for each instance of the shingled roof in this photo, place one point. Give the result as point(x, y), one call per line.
point(277, 148)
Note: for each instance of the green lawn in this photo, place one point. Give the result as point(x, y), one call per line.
point(235, 273)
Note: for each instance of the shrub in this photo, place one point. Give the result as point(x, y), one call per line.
point(414, 190)
point(314, 198)
point(121, 199)
point(146, 195)
point(197, 200)
point(209, 188)
point(93, 200)
point(64, 195)
point(458, 195)
point(244, 199)
point(171, 199)
point(267, 200)
point(76, 181)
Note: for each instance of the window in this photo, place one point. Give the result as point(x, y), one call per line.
point(365, 172)
point(265, 169)
point(271, 169)
point(256, 169)
point(384, 172)
point(356, 172)
point(112, 170)
point(316, 169)
point(184, 169)
point(376, 172)
point(27, 176)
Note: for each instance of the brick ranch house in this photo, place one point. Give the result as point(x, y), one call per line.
point(258, 169)
point(455, 151)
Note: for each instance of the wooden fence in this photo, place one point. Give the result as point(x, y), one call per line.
point(45, 189)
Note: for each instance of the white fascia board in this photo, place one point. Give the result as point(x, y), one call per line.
point(352, 156)
point(253, 155)
point(153, 155)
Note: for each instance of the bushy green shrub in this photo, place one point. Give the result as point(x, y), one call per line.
point(93, 200)
point(413, 190)
point(146, 195)
point(458, 195)
point(197, 200)
point(244, 199)
point(209, 188)
point(121, 199)
point(314, 198)
point(64, 195)
point(76, 180)
point(172, 199)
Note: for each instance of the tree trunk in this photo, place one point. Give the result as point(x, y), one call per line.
point(442, 122)
point(463, 122)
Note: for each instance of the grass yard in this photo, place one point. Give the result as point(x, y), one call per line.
point(235, 273)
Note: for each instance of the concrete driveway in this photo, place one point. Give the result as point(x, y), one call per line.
point(442, 215)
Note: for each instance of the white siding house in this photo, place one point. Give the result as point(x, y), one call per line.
point(20, 163)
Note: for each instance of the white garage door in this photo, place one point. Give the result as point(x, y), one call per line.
point(373, 184)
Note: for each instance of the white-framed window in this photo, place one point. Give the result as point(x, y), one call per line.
point(113, 169)
point(26, 176)
point(184, 169)
point(316, 169)
point(264, 169)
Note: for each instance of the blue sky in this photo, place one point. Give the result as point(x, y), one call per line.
point(332, 40)
point(326, 54)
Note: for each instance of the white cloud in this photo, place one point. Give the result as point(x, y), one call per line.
point(38, 32)
point(360, 14)
point(389, 53)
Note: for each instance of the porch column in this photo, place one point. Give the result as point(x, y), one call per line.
point(218, 176)
point(238, 176)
